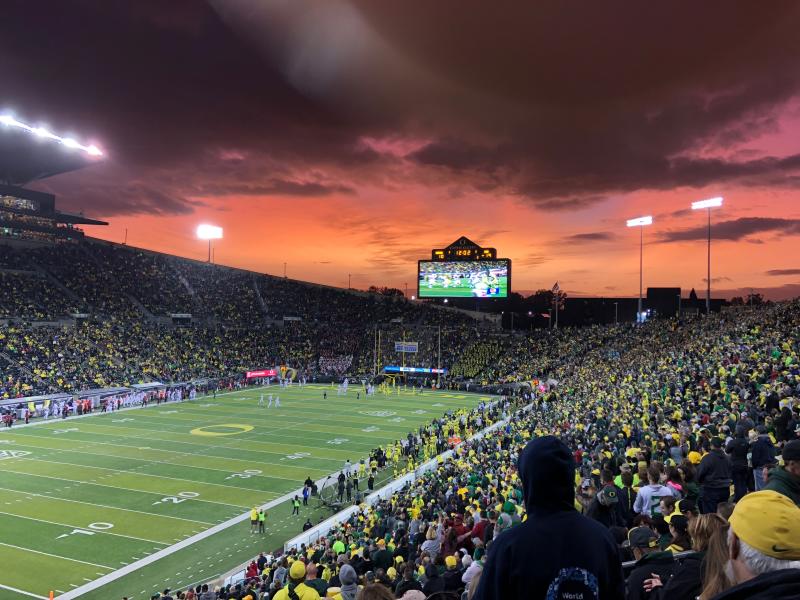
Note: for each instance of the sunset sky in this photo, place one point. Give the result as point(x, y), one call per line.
point(352, 136)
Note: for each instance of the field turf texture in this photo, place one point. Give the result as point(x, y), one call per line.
point(463, 290)
point(83, 497)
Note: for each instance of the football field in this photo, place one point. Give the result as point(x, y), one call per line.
point(159, 492)
point(463, 289)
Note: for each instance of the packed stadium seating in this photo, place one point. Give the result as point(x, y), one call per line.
point(237, 321)
point(631, 402)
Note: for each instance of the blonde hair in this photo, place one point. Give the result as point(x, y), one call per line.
point(715, 581)
point(702, 528)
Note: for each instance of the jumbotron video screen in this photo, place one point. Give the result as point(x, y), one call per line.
point(464, 279)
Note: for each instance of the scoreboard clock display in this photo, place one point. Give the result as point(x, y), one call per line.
point(464, 270)
point(464, 252)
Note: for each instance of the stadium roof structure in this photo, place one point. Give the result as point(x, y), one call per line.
point(28, 153)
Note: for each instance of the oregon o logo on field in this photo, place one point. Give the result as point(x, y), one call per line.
point(221, 429)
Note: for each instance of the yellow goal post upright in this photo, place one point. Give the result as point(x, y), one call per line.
point(379, 354)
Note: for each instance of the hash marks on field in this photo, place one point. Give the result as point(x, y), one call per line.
point(138, 446)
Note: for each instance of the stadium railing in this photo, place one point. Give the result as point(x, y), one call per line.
point(314, 534)
point(321, 530)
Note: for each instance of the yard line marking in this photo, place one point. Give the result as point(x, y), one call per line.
point(150, 415)
point(292, 411)
point(260, 416)
point(178, 452)
point(166, 462)
point(355, 431)
point(186, 542)
point(57, 420)
point(23, 592)
point(322, 420)
point(104, 531)
point(57, 556)
point(111, 507)
point(119, 487)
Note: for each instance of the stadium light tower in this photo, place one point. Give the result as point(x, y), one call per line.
point(209, 232)
point(9, 121)
point(708, 204)
point(641, 223)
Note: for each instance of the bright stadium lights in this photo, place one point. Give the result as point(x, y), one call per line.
point(41, 132)
point(209, 232)
point(640, 222)
point(708, 204)
point(12, 122)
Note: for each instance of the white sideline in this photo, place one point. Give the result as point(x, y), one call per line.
point(322, 529)
point(143, 562)
point(23, 592)
point(313, 534)
point(94, 413)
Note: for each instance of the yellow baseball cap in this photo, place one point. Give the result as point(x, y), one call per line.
point(297, 570)
point(694, 457)
point(769, 522)
point(450, 561)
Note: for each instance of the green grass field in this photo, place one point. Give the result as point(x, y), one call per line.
point(84, 497)
point(463, 290)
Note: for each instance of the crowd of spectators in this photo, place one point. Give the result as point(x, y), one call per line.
point(239, 321)
point(673, 447)
point(30, 296)
point(25, 291)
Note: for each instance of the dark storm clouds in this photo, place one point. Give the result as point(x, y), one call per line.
point(736, 229)
point(558, 103)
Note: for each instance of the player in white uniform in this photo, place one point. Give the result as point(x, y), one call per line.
point(277, 401)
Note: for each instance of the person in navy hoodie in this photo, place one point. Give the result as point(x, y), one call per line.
point(557, 553)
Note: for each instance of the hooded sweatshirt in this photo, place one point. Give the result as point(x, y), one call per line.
point(557, 554)
point(783, 482)
point(775, 585)
point(763, 452)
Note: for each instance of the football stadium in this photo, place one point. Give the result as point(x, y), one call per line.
point(184, 427)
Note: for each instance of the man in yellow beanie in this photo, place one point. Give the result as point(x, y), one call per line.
point(296, 588)
point(452, 576)
point(763, 548)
